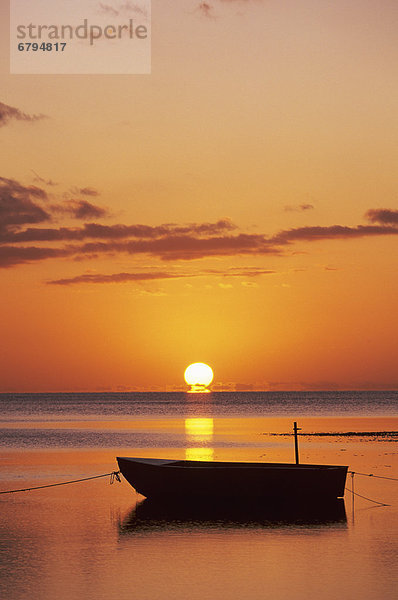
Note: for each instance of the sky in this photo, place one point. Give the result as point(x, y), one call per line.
point(237, 206)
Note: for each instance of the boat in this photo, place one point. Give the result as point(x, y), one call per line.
point(161, 479)
point(236, 482)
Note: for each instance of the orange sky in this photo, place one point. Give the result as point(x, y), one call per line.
point(238, 206)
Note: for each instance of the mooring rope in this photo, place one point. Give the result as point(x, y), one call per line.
point(365, 498)
point(352, 473)
point(372, 475)
point(113, 475)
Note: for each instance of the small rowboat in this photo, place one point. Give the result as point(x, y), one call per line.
point(181, 479)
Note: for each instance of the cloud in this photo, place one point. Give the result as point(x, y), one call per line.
point(186, 247)
point(316, 233)
point(18, 204)
point(115, 232)
point(158, 293)
point(80, 209)
point(124, 7)
point(81, 191)
point(168, 242)
point(244, 387)
point(240, 272)
point(16, 188)
point(385, 216)
point(105, 8)
point(115, 278)
point(248, 272)
point(206, 9)
point(156, 275)
point(88, 191)
point(169, 246)
point(9, 113)
point(249, 284)
point(40, 179)
point(16, 255)
point(298, 207)
point(24, 209)
point(132, 7)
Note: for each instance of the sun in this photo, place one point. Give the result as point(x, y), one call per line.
point(198, 376)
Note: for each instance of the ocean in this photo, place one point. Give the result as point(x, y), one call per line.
point(95, 540)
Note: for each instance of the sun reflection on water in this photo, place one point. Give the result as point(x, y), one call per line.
point(199, 431)
point(199, 454)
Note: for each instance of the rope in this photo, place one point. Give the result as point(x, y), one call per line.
point(365, 498)
point(371, 475)
point(113, 475)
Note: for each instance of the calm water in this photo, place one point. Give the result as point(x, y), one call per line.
point(219, 404)
point(93, 541)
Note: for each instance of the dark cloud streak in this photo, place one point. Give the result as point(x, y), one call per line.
point(24, 209)
point(385, 216)
point(115, 278)
point(312, 234)
point(88, 191)
point(92, 278)
point(10, 113)
point(299, 207)
point(206, 9)
point(40, 179)
point(11, 256)
point(186, 247)
point(115, 232)
point(18, 204)
point(80, 209)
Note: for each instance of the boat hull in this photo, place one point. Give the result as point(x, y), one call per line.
point(216, 480)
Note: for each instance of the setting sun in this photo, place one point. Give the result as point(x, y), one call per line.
point(198, 375)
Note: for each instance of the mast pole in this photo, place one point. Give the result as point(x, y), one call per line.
point(295, 430)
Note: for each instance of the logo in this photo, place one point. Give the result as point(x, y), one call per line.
point(80, 37)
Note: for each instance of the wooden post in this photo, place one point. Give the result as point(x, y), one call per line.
point(296, 429)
